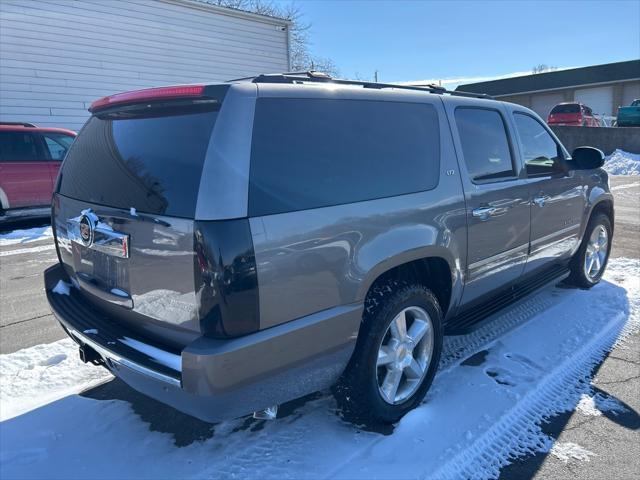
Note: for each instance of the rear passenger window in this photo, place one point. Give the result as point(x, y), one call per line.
point(19, 147)
point(485, 146)
point(310, 153)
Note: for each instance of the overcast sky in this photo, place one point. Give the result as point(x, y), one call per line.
point(417, 40)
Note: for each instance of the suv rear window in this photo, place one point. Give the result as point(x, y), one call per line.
point(152, 163)
point(569, 108)
point(310, 153)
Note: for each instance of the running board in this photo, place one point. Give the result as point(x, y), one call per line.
point(472, 317)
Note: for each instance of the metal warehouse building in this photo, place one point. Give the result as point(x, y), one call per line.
point(604, 88)
point(57, 56)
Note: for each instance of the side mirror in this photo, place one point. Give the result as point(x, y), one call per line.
point(587, 158)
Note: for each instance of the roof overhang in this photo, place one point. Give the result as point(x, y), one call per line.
point(558, 80)
point(231, 12)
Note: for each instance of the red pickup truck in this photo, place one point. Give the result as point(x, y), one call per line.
point(30, 157)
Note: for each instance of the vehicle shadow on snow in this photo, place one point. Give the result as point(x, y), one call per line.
point(184, 428)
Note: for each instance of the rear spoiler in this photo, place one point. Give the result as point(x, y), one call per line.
point(175, 92)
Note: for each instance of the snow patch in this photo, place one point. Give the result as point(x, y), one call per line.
point(37, 376)
point(91, 331)
point(62, 288)
point(132, 212)
point(622, 163)
point(566, 451)
point(25, 236)
point(596, 405)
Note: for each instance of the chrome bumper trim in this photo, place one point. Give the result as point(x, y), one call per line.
point(125, 362)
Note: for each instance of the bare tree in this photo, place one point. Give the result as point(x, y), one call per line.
point(542, 68)
point(300, 53)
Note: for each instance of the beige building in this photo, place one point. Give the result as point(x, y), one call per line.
point(604, 88)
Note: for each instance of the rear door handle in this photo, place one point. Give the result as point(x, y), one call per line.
point(484, 213)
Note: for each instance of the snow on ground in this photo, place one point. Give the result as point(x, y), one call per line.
point(596, 405)
point(622, 163)
point(25, 236)
point(39, 375)
point(494, 388)
point(566, 451)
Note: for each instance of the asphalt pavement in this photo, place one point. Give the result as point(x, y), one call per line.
point(614, 440)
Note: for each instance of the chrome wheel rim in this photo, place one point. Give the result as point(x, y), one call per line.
point(404, 355)
point(596, 253)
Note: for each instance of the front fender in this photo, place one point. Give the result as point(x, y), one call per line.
point(598, 195)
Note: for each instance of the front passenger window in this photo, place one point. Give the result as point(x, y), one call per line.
point(541, 153)
point(485, 147)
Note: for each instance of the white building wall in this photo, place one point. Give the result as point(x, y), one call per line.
point(57, 56)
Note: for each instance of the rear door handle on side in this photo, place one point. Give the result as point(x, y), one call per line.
point(484, 213)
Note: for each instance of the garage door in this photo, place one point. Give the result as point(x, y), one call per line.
point(630, 92)
point(542, 104)
point(600, 99)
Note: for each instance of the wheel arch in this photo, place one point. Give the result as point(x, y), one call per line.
point(603, 205)
point(436, 272)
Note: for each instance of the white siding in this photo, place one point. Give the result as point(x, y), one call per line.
point(57, 56)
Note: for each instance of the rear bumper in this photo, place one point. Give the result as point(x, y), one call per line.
point(215, 379)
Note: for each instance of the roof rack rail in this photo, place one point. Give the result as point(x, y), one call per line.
point(22, 124)
point(321, 77)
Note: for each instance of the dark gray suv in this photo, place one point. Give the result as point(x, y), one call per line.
point(226, 248)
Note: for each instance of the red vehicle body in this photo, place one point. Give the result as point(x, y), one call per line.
point(30, 157)
point(572, 113)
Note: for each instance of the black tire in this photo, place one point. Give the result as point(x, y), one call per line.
point(579, 276)
point(357, 391)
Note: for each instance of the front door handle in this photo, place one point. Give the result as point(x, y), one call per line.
point(540, 201)
point(484, 213)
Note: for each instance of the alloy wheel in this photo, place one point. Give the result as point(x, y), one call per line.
point(596, 252)
point(404, 354)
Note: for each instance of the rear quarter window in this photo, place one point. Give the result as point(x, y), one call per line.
point(311, 153)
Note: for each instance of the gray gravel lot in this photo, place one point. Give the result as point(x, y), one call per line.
point(614, 440)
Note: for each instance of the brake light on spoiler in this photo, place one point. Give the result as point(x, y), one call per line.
point(148, 94)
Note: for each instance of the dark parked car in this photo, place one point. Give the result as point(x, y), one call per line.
point(574, 114)
point(30, 157)
point(226, 248)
